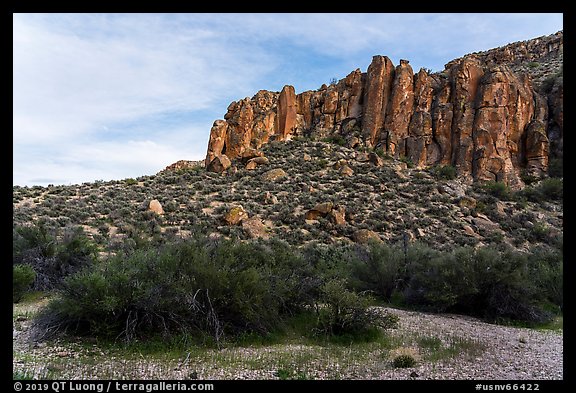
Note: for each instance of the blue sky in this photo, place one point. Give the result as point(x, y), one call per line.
point(112, 96)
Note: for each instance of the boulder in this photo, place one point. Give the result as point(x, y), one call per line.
point(274, 175)
point(255, 228)
point(365, 236)
point(250, 165)
point(346, 171)
point(235, 215)
point(155, 206)
point(375, 159)
point(219, 164)
point(338, 216)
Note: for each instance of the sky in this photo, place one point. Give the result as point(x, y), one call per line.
point(114, 96)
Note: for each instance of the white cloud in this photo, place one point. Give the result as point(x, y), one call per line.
point(65, 84)
point(104, 160)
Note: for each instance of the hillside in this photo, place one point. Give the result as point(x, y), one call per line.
point(383, 195)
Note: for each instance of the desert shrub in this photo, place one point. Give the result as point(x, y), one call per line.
point(546, 190)
point(444, 172)
point(22, 279)
point(507, 287)
point(343, 312)
point(497, 189)
point(53, 256)
point(528, 178)
point(377, 269)
point(404, 361)
point(214, 288)
point(439, 280)
point(546, 268)
point(408, 161)
point(485, 282)
point(552, 188)
point(29, 242)
point(335, 139)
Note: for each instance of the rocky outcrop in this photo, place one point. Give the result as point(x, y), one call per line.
point(379, 80)
point(216, 141)
point(183, 165)
point(337, 214)
point(286, 112)
point(399, 111)
point(481, 114)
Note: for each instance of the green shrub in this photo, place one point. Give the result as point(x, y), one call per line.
point(403, 361)
point(552, 188)
point(494, 285)
point(548, 189)
point(214, 288)
point(335, 139)
point(444, 172)
point(22, 279)
point(343, 312)
point(52, 256)
point(527, 178)
point(408, 161)
point(377, 269)
point(507, 287)
point(30, 242)
point(497, 189)
point(438, 281)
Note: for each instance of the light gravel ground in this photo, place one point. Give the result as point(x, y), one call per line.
point(493, 352)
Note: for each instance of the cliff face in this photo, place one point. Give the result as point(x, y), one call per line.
point(482, 114)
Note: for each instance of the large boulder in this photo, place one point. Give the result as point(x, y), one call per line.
point(155, 206)
point(219, 164)
point(320, 210)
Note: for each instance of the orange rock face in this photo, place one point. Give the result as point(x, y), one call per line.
point(477, 115)
point(286, 112)
point(379, 79)
point(400, 110)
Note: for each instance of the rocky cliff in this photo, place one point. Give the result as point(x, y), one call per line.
point(493, 115)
